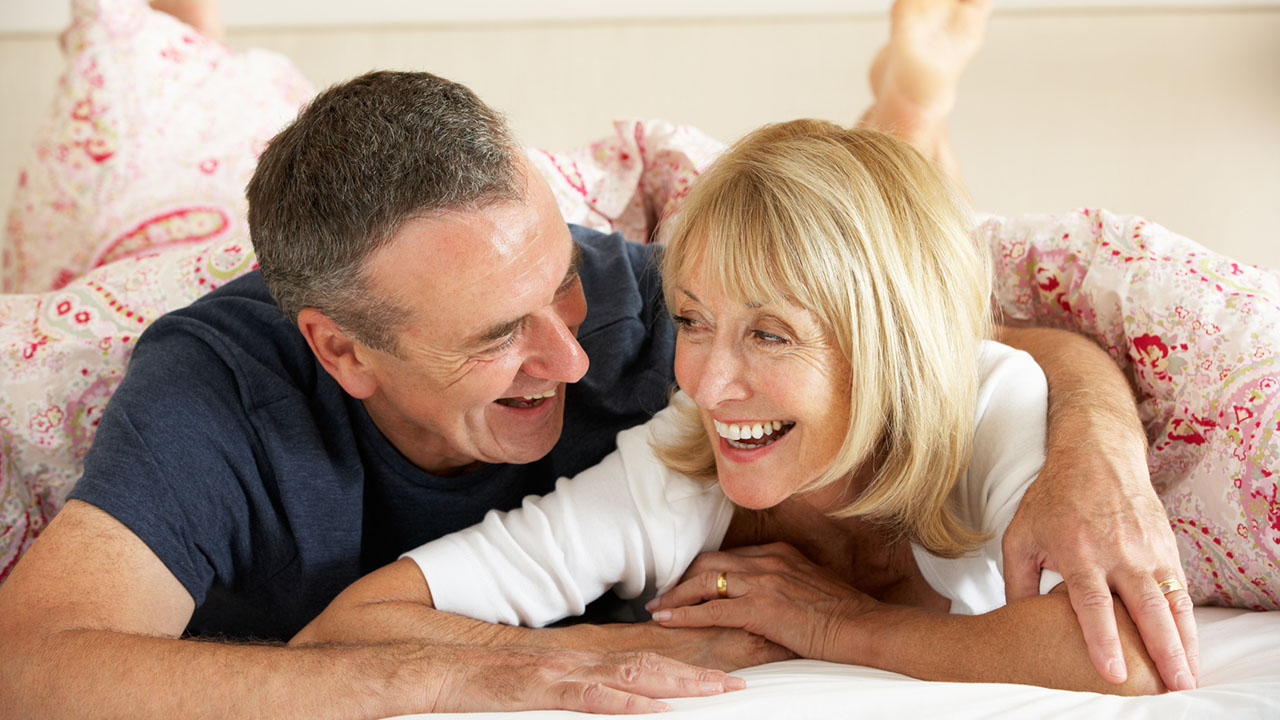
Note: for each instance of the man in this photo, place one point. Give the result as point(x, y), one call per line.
point(431, 363)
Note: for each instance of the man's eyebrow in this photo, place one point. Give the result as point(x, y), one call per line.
point(502, 330)
point(575, 264)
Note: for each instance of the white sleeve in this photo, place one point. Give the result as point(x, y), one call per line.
point(1010, 427)
point(629, 524)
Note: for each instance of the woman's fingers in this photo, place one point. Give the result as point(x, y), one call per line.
point(695, 589)
point(732, 613)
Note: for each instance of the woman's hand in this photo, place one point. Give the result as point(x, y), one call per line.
point(773, 591)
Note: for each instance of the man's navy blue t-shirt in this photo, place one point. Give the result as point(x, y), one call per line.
point(266, 489)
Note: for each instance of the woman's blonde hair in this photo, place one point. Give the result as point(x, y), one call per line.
point(861, 230)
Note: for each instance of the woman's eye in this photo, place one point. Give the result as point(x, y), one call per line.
point(769, 338)
point(685, 323)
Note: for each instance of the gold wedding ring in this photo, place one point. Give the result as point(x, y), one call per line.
point(722, 584)
point(1169, 585)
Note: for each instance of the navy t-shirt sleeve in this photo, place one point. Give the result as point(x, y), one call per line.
point(174, 459)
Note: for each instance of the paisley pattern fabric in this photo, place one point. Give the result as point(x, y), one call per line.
point(153, 133)
point(1199, 335)
point(120, 218)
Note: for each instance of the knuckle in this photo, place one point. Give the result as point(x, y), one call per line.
point(1151, 602)
point(1096, 599)
point(716, 611)
point(629, 672)
point(776, 563)
point(1180, 603)
point(650, 661)
point(593, 693)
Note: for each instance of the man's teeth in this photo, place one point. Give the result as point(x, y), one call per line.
point(744, 431)
point(547, 394)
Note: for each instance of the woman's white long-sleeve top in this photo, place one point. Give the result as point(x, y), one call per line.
point(633, 526)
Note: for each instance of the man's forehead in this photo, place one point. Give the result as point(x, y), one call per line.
point(502, 327)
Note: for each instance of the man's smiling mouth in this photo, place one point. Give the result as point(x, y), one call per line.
point(527, 401)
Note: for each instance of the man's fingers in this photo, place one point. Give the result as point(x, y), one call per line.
point(596, 697)
point(655, 675)
point(1184, 617)
point(1095, 609)
point(629, 683)
point(1021, 566)
point(1153, 612)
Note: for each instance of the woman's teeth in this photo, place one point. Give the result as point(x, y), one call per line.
point(743, 435)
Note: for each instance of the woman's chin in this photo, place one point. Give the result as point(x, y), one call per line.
point(748, 494)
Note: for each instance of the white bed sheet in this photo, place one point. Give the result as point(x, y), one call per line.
point(1239, 678)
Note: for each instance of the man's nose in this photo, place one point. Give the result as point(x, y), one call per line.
point(556, 354)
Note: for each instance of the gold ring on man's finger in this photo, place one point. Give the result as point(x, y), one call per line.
point(722, 584)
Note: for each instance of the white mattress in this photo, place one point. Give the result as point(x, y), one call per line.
point(1239, 678)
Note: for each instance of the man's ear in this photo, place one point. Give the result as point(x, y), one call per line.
point(346, 359)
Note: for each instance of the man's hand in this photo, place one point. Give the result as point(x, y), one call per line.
point(1093, 516)
point(475, 679)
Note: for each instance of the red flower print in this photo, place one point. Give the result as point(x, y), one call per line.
point(1149, 351)
point(1047, 279)
point(1185, 432)
point(82, 110)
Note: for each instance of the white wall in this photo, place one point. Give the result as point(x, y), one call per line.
point(1168, 111)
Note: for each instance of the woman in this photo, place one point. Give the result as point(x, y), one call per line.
point(844, 452)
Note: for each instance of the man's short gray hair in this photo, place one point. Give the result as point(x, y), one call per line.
point(361, 159)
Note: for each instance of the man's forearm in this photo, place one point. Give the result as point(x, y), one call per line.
point(401, 621)
point(1089, 398)
point(96, 673)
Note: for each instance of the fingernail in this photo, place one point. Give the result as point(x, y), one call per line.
point(1183, 681)
point(658, 706)
point(734, 683)
point(711, 687)
point(662, 615)
point(1115, 668)
point(651, 605)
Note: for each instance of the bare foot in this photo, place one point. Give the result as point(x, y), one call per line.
point(915, 76)
point(205, 16)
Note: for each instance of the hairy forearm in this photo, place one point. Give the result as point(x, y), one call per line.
point(1091, 405)
point(98, 673)
point(1035, 641)
point(393, 621)
point(1080, 375)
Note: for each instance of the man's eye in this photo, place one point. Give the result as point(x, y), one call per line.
point(505, 344)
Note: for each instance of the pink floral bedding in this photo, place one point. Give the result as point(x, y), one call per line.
point(133, 205)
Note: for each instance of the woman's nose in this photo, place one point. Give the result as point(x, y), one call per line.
point(720, 377)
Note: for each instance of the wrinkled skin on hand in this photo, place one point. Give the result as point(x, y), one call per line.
point(470, 679)
point(773, 591)
point(1105, 530)
point(722, 648)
